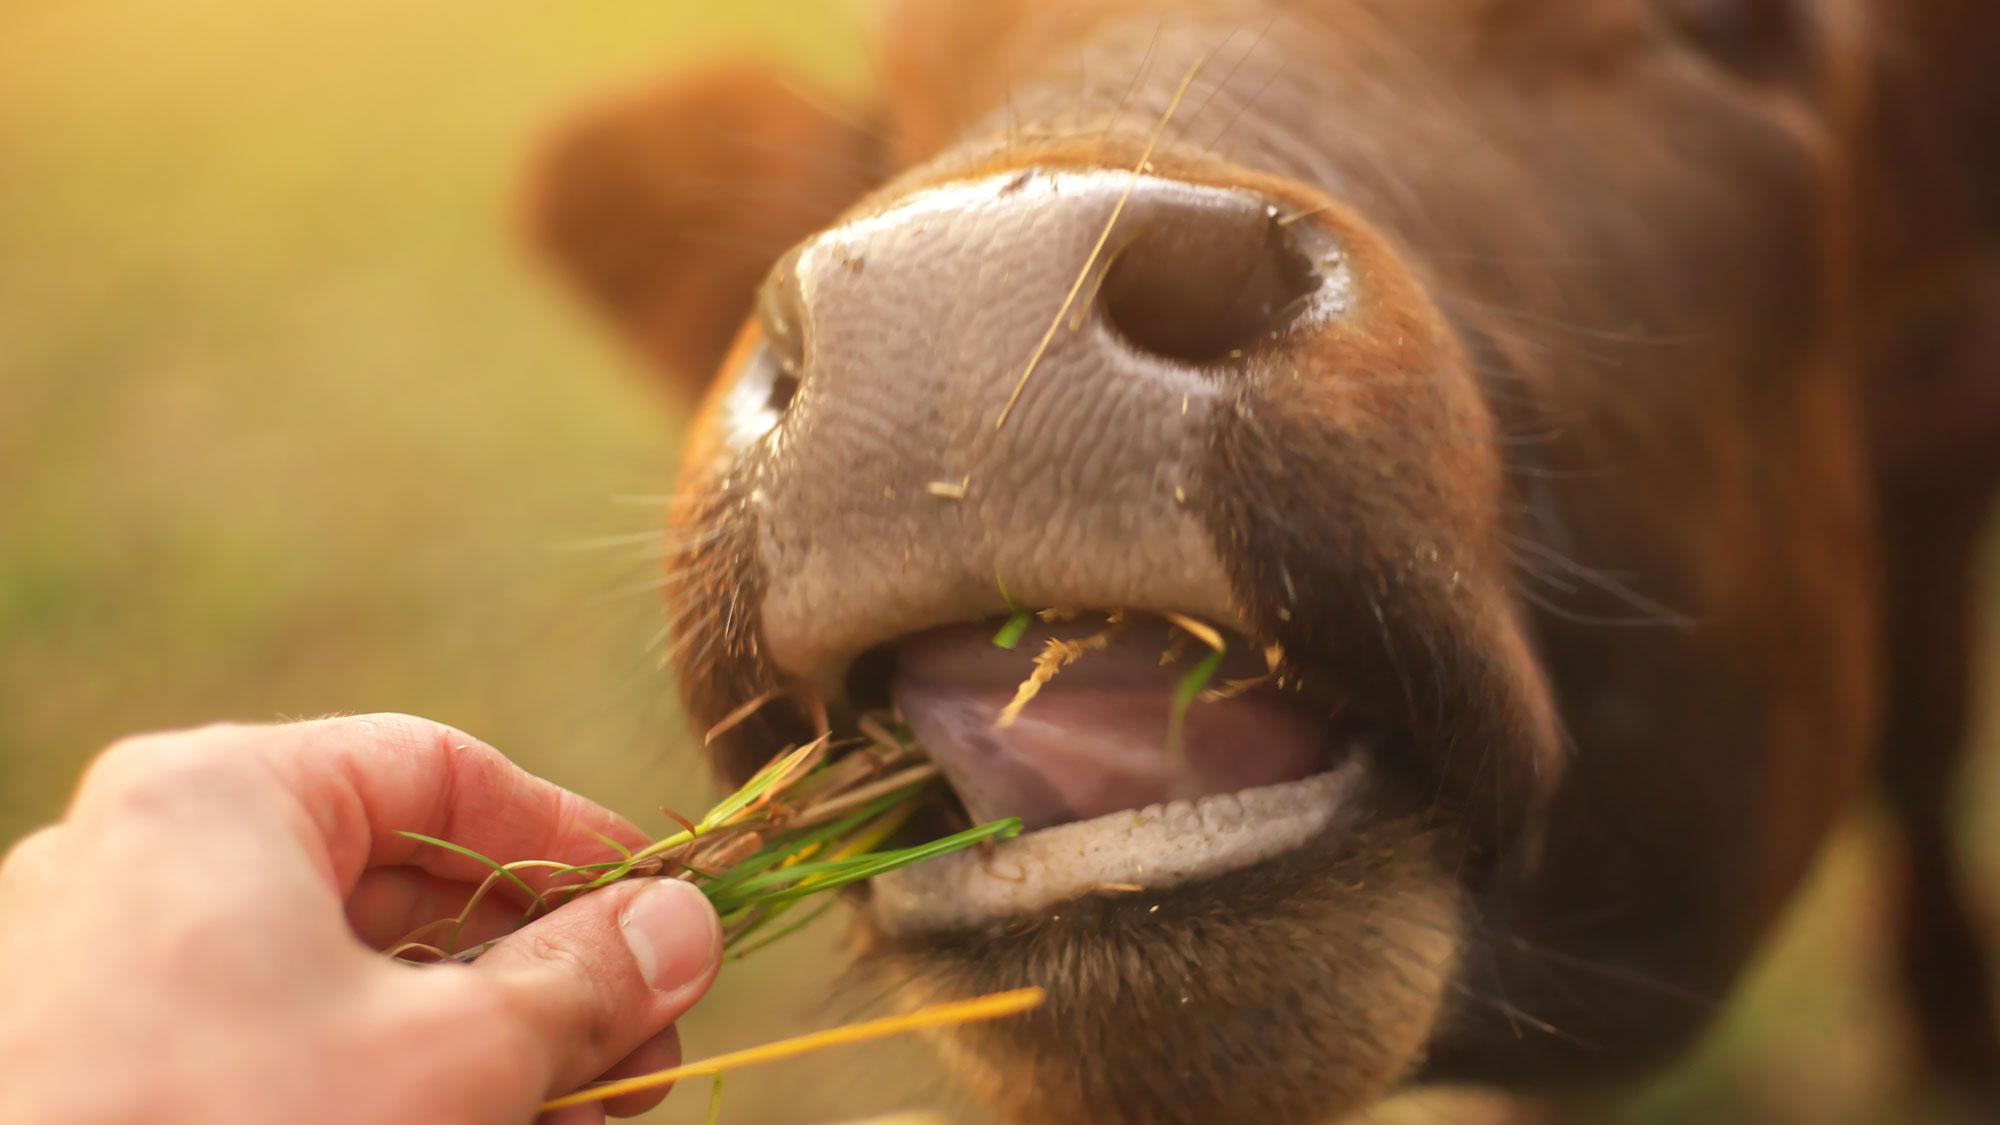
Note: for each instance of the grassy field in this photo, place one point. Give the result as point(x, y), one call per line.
point(288, 426)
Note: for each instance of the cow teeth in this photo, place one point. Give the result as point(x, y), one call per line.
point(1158, 846)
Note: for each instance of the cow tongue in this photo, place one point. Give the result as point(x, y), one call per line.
point(1095, 740)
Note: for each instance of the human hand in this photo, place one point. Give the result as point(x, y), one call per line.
point(198, 939)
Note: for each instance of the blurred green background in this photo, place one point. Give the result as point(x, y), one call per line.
point(289, 426)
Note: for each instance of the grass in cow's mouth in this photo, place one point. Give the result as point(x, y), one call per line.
point(1011, 633)
point(1058, 654)
point(1190, 687)
point(1018, 621)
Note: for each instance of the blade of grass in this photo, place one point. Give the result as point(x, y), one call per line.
point(714, 1101)
point(996, 1006)
point(1185, 694)
point(867, 839)
point(497, 866)
point(741, 951)
point(1016, 627)
point(624, 853)
point(797, 844)
point(1200, 630)
point(1018, 621)
point(881, 863)
point(787, 877)
point(902, 782)
point(757, 786)
point(735, 718)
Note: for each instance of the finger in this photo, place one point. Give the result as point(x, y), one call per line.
point(34, 856)
point(661, 1052)
point(591, 982)
point(587, 1114)
point(355, 782)
point(390, 904)
point(411, 774)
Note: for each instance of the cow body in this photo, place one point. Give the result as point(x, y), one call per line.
point(1584, 490)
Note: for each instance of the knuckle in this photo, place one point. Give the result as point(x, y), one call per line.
point(138, 767)
point(129, 755)
point(415, 733)
point(416, 728)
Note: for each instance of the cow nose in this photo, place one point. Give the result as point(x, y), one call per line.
point(1014, 270)
point(995, 374)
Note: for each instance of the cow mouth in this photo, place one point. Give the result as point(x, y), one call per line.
point(1148, 760)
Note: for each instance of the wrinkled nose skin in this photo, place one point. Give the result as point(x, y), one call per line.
point(1134, 304)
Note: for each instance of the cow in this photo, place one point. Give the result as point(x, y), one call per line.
point(1590, 407)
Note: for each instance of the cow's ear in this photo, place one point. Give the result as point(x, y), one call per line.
point(667, 206)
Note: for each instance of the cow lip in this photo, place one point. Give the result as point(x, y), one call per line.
point(1120, 853)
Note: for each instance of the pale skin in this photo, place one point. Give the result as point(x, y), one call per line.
point(199, 938)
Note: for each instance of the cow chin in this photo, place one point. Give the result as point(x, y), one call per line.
point(1296, 990)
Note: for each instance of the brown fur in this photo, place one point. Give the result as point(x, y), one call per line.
point(1677, 358)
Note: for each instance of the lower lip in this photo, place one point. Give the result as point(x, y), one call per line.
point(1151, 848)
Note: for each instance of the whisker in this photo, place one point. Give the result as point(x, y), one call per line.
point(662, 499)
point(658, 638)
point(1255, 97)
point(1658, 612)
point(1544, 472)
point(1187, 122)
point(703, 538)
point(607, 542)
point(1619, 973)
point(1227, 78)
point(1307, 213)
point(650, 586)
point(1515, 1015)
point(1132, 87)
point(1579, 617)
point(1548, 436)
point(839, 112)
point(674, 653)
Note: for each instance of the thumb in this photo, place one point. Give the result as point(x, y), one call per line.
point(600, 976)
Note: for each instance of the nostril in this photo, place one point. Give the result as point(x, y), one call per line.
point(784, 386)
point(779, 315)
point(1191, 288)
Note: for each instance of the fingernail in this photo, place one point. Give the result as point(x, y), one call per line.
point(672, 932)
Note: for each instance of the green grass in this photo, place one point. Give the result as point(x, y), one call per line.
point(288, 427)
point(811, 810)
